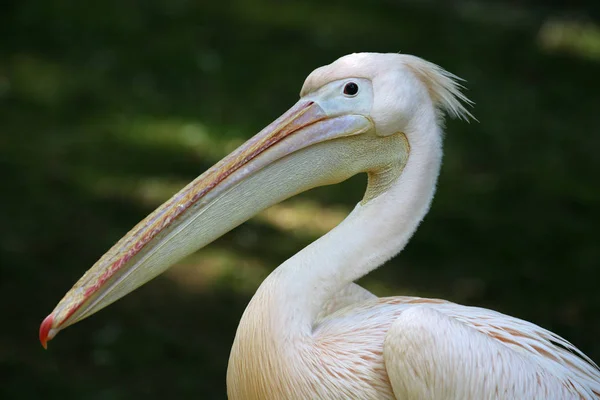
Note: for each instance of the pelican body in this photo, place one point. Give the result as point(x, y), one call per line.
point(310, 332)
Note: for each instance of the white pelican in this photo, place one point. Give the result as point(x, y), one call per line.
point(310, 332)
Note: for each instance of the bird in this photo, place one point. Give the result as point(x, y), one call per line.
point(310, 332)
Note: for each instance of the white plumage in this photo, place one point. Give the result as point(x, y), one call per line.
point(399, 347)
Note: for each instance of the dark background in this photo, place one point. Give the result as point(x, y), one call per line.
point(108, 107)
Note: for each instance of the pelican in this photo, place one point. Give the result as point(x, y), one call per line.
point(310, 332)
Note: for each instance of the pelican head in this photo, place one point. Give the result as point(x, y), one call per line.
point(358, 114)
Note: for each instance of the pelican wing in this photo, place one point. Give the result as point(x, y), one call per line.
point(448, 351)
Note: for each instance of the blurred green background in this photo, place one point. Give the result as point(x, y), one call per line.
point(108, 107)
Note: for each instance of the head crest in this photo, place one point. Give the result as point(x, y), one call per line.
point(443, 87)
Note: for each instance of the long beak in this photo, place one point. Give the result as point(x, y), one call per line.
point(302, 149)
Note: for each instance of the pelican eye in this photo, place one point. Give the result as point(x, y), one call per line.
point(351, 89)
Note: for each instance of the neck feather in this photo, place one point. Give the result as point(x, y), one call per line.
point(373, 232)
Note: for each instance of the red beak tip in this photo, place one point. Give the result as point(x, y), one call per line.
point(45, 330)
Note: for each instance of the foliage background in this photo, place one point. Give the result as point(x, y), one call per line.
point(108, 107)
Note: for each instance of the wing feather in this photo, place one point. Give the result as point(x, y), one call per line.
point(544, 349)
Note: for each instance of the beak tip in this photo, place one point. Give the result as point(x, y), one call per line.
point(45, 331)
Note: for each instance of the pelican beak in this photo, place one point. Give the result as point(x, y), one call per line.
point(302, 149)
